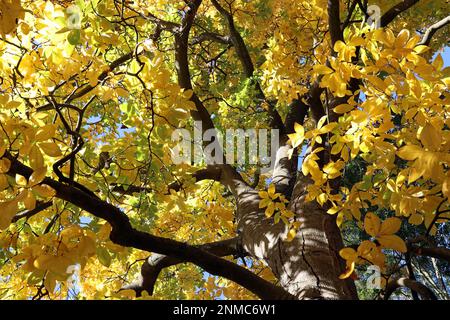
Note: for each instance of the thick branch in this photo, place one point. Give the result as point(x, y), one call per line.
point(432, 30)
point(211, 172)
point(223, 173)
point(392, 13)
point(418, 287)
point(182, 66)
point(152, 266)
point(247, 64)
point(125, 235)
point(211, 36)
point(334, 22)
point(435, 252)
point(284, 169)
point(201, 113)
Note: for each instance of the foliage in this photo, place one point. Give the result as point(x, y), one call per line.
point(97, 105)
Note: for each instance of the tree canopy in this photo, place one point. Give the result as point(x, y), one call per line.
point(93, 205)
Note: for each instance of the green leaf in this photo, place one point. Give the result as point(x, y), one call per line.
point(74, 37)
point(103, 256)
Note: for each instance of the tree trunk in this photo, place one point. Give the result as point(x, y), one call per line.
point(308, 266)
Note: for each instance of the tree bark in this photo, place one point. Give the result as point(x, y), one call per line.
point(308, 266)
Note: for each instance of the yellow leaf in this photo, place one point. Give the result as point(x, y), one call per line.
point(392, 242)
point(366, 248)
point(264, 203)
point(348, 271)
point(372, 224)
point(271, 192)
point(430, 136)
point(348, 254)
point(21, 180)
point(73, 231)
point(7, 211)
point(321, 121)
point(446, 187)
point(29, 201)
point(3, 182)
point(410, 152)
point(43, 261)
point(45, 133)
point(327, 128)
point(5, 164)
point(321, 69)
point(402, 38)
point(333, 169)
point(44, 191)
point(359, 116)
point(36, 158)
point(438, 63)
point(291, 235)
point(263, 194)
point(270, 210)
point(299, 135)
point(343, 108)
point(87, 246)
point(333, 210)
point(11, 12)
point(416, 219)
point(121, 92)
point(322, 198)
point(287, 213)
point(37, 176)
point(50, 282)
point(390, 226)
point(50, 148)
point(414, 174)
point(421, 49)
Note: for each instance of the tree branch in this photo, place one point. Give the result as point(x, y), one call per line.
point(435, 252)
point(125, 235)
point(211, 36)
point(40, 206)
point(285, 168)
point(349, 14)
point(418, 287)
point(247, 64)
point(334, 22)
point(392, 13)
point(182, 66)
point(432, 30)
point(154, 264)
point(163, 24)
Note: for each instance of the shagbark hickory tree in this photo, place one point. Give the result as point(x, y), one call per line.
point(93, 204)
